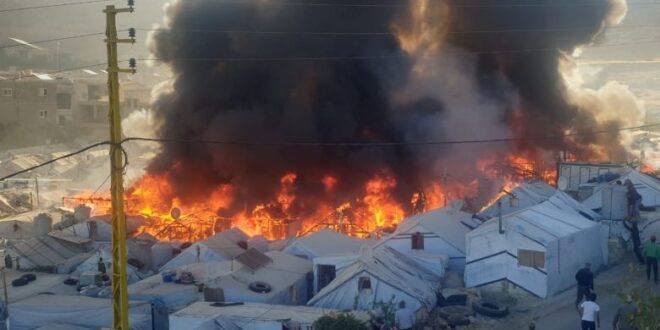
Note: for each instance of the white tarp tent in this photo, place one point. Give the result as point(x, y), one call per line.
point(533, 193)
point(92, 313)
point(222, 246)
point(375, 277)
point(165, 298)
point(540, 250)
point(442, 232)
point(430, 266)
point(285, 275)
point(325, 242)
point(647, 187)
point(91, 263)
point(204, 316)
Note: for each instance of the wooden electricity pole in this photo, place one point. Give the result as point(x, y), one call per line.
point(119, 264)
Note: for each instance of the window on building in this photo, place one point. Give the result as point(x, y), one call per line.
point(531, 258)
point(43, 91)
point(43, 114)
point(63, 101)
point(325, 275)
point(364, 283)
point(8, 92)
point(417, 241)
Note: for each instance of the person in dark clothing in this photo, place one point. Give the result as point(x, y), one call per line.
point(101, 266)
point(585, 283)
point(634, 237)
point(8, 261)
point(634, 200)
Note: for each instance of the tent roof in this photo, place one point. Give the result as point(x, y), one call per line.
point(389, 268)
point(536, 192)
point(327, 241)
point(226, 242)
point(644, 184)
point(255, 311)
point(45, 251)
point(543, 222)
point(280, 274)
point(444, 222)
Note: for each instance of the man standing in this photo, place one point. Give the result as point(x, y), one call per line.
point(651, 253)
point(623, 317)
point(585, 283)
point(404, 318)
point(590, 313)
point(634, 237)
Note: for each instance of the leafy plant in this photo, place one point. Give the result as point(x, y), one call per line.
point(343, 321)
point(384, 309)
point(647, 303)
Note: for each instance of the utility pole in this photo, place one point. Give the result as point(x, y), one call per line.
point(119, 264)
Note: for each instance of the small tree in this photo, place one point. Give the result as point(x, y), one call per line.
point(384, 309)
point(647, 302)
point(343, 321)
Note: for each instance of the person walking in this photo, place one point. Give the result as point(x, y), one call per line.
point(590, 312)
point(585, 283)
point(651, 252)
point(404, 317)
point(632, 226)
point(623, 317)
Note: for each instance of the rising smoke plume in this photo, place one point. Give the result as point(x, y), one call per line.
point(447, 71)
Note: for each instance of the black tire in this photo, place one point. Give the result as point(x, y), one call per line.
point(70, 281)
point(448, 311)
point(260, 287)
point(19, 282)
point(29, 277)
point(490, 308)
point(458, 320)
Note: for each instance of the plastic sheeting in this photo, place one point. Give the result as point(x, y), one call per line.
point(647, 187)
point(389, 276)
point(92, 313)
point(444, 235)
point(223, 246)
point(325, 242)
point(566, 239)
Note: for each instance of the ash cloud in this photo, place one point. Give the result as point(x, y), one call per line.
point(422, 83)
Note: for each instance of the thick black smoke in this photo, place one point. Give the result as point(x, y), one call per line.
point(525, 42)
point(340, 90)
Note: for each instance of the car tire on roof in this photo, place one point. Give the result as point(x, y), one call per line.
point(19, 282)
point(260, 287)
point(490, 308)
point(447, 311)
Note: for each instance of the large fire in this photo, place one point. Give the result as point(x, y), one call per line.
point(167, 217)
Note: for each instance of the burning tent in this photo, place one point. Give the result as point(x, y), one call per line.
point(533, 193)
point(223, 246)
point(538, 249)
point(440, 231)
point(342, 115)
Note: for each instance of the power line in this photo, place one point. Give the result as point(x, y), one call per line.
point(55, 39)
point(373, 57)
point(389, 33)
point(385, 143)
point(65, 70)
point(403, 5)
point(77, 152)
point(53, 5)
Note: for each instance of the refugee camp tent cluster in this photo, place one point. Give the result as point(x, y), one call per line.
point(646, 186)
point(537, 245)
